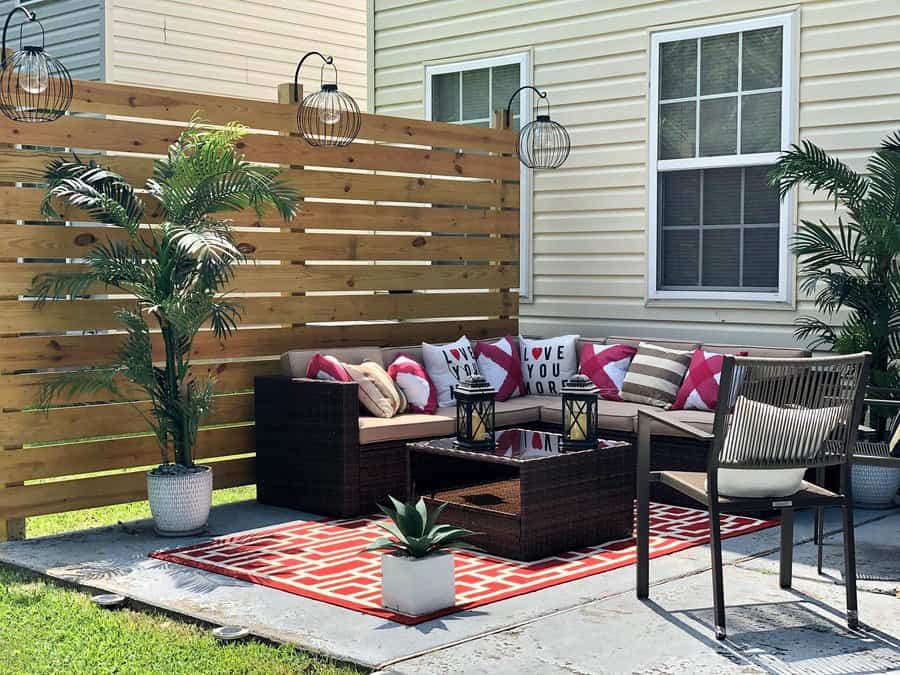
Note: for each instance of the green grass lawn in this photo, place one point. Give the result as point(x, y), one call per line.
point(57, 523)
point(45, 628)
point(48, 629)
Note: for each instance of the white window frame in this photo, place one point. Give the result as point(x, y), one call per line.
point(523, 59)
point(788, 23)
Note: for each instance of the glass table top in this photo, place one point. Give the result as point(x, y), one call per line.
point(511, 445)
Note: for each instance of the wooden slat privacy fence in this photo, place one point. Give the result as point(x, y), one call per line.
point(408, 234)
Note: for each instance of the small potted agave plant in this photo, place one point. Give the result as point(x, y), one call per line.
point(417, 569)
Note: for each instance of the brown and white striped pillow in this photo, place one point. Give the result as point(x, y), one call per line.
point(655, 374)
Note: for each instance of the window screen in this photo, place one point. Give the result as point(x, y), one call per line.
point(470, 96)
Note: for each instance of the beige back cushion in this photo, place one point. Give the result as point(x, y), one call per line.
point(294, 362)
point(388, 354)
point(761, 352)
point(683, 345)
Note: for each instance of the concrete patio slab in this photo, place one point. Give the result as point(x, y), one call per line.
point(594, 623)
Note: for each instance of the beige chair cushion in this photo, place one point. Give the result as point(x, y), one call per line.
point(294, 362)
point(377, 392)
point(614, 415)
point(405, 427)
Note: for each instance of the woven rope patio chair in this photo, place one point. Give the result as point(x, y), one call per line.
point(778, 416)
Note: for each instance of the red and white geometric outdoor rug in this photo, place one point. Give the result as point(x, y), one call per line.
point(324, 560)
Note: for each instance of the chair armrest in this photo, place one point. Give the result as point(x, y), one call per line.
point(674, 424)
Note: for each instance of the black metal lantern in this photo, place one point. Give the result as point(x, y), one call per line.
point(328, 118)
point(543, 143)
point(475, 414)
point(579, 408)
point(34, 86)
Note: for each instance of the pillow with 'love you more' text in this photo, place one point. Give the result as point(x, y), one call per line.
point(547, 363)
point(448, 365)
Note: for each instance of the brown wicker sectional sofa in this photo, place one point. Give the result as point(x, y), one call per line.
point(316, 453)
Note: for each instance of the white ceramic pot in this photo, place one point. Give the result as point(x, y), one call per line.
point(180, 502)
point(417, 586)
point(874, 487)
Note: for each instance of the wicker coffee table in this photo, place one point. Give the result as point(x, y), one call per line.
point(528, 498)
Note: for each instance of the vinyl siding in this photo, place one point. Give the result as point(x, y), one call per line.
point(74, 32)
point(590, 217)
point(235, 47)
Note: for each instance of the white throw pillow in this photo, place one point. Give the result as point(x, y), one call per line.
point(447, 366)
point(759, 425)
point(547, 363)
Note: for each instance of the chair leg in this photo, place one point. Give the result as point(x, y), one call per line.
point(715, 548)
point(820, 479)
point(850, 565)
point(643, 537)
point(820, 537)
point(787, 547)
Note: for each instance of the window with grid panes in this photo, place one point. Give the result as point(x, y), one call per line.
point(721, 113)
point(469, 96)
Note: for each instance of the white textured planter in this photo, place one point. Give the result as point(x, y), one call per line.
point(874, 487)
point(417, 586)
point(180, 502)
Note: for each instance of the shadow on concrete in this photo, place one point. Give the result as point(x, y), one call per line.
point(442, 623)
point(801, 635)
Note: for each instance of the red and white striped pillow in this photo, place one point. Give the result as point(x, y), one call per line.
point(327, 367)
point(607, 365)
point(500, 365)
point(415, 384)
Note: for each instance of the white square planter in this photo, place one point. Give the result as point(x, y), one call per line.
point(416, 586)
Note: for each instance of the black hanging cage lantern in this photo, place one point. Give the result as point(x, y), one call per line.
point(543, 143)
point(328, 118)
point(475, 414)
point(579, 412)
point(34, 86)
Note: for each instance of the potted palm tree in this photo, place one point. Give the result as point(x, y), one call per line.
point(175, 275)
point(417, 575)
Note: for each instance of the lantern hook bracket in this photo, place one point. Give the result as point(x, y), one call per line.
point(29, 17)
point(541, 94)
point(328, 60)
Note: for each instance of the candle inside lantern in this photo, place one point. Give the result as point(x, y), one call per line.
point(577, 430)
point(479, 433)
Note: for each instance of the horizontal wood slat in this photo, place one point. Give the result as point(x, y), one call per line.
point(56, 241)
point(23, 390)
point(402, 233)
point(63, 315)
point(159, 104)
point(24, 204)
point(57, 424)
point(62, 351)
point(29, 166)
point(51, 461)
point(16, 278)
point(56, 497)
point(127, 136)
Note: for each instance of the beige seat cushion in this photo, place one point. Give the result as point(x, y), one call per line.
point(614, 415)
point(404, 427)
point(294, 362)
point(701, 419)
point(515, 411)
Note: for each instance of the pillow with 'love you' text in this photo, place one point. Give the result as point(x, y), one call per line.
point(547, 363)
point(448, 365)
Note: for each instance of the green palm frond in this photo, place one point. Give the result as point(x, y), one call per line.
point(77, 383)
point(102, 193)
point(809, 164)
point(176, 275)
